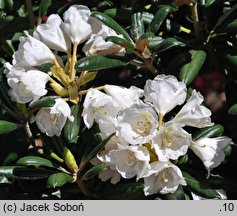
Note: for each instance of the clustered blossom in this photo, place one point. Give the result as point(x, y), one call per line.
point(147, 143)
point(24, 76)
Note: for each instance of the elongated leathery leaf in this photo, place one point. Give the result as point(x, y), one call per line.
point(48, 101)
point(93, 63)
point(95, 170)
point(112, 24)
point(71, 129)
point(233, 110)
point(226, 18)
point(212, 131)
point(120, 41)
point(159, 18)
point(190, 70)
point(199, 188)
point(7, 127)
point(166, 44)
point(34, 161)
point(94, 152)
point(44, 6)
point(137, 26)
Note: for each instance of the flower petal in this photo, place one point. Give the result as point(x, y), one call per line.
point(210, 150)
point(171, 142)
point(163, 178)
point(165, 92)
point(193, 113)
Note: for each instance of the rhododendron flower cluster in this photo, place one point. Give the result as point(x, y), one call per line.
point(27, 80)
point(147, 143)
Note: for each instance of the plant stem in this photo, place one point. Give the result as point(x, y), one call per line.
point(161, 116)
point(29, 135)
point(56, 63)
point(82, 187)
point(147, 63)
point(196, 23)
point(73, 61)
point(30, 12)
point(85, 91)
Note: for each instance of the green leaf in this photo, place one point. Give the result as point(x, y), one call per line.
point(4, 180)
point(58, 180)
point(228, 151)
point(112, 24)
point(212, 131)
point(148, 35)
point(48, 101)
point(32, 173)
point(25, 173)
point(7, 171)
point(34, 161)
point(7, 127)
point(95, 170)
point(137, 26)
point(9, 5)
point(120, 41)
point(233, 110)
point(2, 4)
point(231, 27)
point(8, 47)
point(44, 6)
point(198, 187)
point(71, 129)
point(226, 18)
point(159, 18)
point(46, 67)
point(11, 157)
point(219, 182)
point(183, 159)
point(4, 89)
point(177, 195)
point(208, 3)
point(92, 63)
point(128, 191)
point(119, 14)
point(190, 70)
point(147, 17)
point(154, 42)
point(166, 44)
point(93, 153)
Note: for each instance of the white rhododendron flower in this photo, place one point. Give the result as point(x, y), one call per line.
point(76, 23)
point(165, 93)
point(13, 71)
point(52, 120)
point(145, 141)
point(163, 178)
point(52, 34)
point(96, 45)
point(210, 150)
point(130, 161)
point(193, 113)
point(99, 106)
point(171, 142)
point(32, 52)
point(137, 124)
point(126, 97)
point(111, 172)
point(30, 86)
